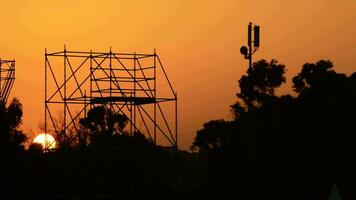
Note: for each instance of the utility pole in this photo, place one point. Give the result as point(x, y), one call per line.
point(252, 47)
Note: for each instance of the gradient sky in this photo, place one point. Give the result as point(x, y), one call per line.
point(198, 42)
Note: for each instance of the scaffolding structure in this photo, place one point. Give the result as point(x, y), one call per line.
point(7, 78)
point(126, 83)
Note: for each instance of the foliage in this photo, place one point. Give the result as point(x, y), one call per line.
point(107, 129)
point(101, 120)
point(261, 81)
point(216, 134)
point(296, 141)
point(11, 137)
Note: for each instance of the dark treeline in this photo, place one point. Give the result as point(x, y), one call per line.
point(295, 146)
point(302, 144)
point(104, 162)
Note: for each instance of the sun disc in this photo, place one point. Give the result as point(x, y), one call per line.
point(46, 140)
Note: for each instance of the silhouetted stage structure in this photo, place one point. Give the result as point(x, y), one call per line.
point(7, 78)
point(132, 84)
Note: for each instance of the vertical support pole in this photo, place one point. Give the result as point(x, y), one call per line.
point(111, 75)
point(250, 116)
point(251, 135)
point(247, 52)
point(131, 124)
point(176, 119)
point(0, 79)
point(132, 93)
point(134, 111)
point(13, 69)
point(155, 97)
point(45, 93)
point(91, 78)
point(84, 137)
point(65, 95)
point(176, 142)
point(85, 103)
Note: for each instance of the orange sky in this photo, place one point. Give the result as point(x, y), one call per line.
point(198, 42)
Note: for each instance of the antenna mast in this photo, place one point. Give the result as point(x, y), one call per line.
point(252, 47)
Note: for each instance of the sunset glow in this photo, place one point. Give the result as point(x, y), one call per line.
point(178, 99)
point(46, 140)
point(199, 42)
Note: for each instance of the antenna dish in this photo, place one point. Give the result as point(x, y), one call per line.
point(243, 50)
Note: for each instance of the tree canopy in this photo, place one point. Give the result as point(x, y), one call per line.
point(107, 129)
point(11, 137)
point(301, 139)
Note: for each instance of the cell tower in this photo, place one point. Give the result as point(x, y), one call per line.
point(7, 78)
point(135, 85)
point(253, 46)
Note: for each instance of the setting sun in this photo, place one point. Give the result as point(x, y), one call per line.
point(46, 140)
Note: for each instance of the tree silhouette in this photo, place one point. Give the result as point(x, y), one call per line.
point(261, 81)
point(101, 120)
point(225, 143)
point(259, 86)
point(327, 100)
point(11, 148)
point(35, 148)
point(313, 75)
point(215, 134)
point(11, 138)
point(107, 128)
point(302, 143)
